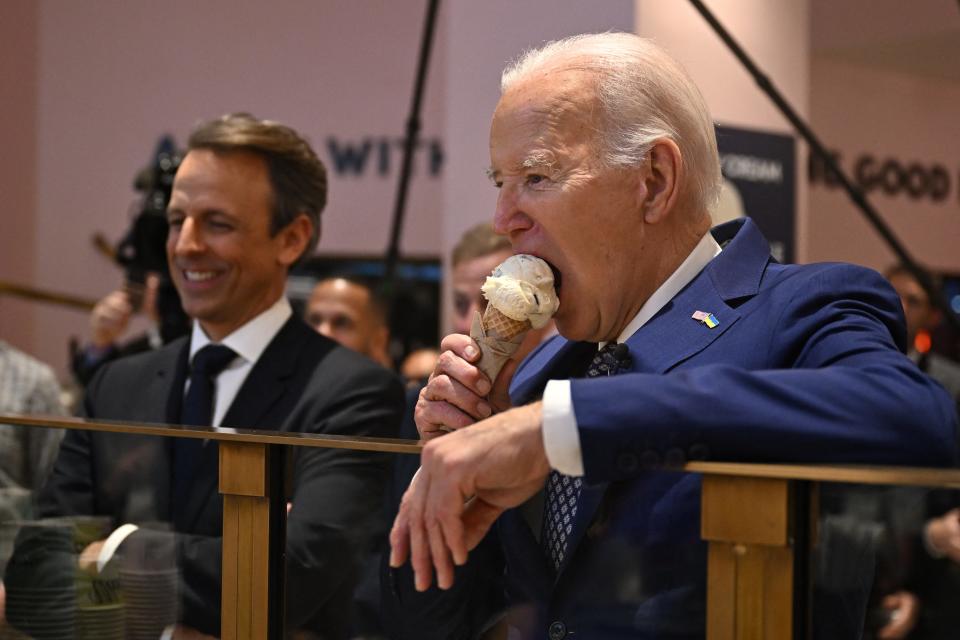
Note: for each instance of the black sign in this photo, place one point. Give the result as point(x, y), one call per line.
point(760, 182)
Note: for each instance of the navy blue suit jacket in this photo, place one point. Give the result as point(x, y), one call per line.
point(805, 365)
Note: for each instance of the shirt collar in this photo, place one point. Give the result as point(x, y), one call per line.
point(705, 251)
point(250, 340)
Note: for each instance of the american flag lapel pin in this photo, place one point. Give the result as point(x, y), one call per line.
point(706, 318)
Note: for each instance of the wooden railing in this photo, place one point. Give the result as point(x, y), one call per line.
point(755, 517)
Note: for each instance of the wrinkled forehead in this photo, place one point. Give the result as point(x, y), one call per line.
point(550, 99)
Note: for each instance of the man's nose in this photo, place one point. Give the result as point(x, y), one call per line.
point(189, 238)
point(509, 217)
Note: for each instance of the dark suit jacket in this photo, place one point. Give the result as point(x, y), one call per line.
point(303, 382)
point(804, 366)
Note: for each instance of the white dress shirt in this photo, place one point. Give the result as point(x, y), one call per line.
point(560, 436)
point(249, 342)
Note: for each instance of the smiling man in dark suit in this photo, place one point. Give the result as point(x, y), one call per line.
point(245, 206)
point(676, 342)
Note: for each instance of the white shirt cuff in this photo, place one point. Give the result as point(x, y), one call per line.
point(561, 439)
point(112, 543)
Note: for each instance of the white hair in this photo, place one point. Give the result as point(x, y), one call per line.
point(645, 96)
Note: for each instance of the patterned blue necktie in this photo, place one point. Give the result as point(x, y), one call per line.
point(563, 491)
point(197, 410)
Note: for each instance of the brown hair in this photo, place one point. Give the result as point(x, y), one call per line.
point(477, 242)
point(297, 176)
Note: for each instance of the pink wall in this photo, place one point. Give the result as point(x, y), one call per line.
point(887, 115)
point(88, 87)
point(18, 95)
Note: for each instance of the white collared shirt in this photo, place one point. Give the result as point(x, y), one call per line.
point(560, 436)
point(249, 342)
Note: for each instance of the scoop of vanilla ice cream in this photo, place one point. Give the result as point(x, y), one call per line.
point(522, 288)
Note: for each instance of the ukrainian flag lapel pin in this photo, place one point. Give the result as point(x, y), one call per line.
point(706, 318)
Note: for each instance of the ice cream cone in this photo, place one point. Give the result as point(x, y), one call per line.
point(499, 337)
point(520, 287)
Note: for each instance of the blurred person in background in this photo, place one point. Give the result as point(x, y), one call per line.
point(348, 311)
point(28, 387)
point(109, 322)
point(922, 317)
point(924, 571)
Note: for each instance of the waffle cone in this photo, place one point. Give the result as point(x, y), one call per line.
point(499, 338)
point(502, 327)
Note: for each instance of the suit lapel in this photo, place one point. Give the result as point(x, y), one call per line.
point(267, 381)
point(674, 335)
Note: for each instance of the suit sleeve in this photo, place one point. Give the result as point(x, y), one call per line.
point(833, 387)
point(337, 493)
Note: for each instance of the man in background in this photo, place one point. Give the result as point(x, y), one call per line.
point(922, 317)
point(28, 387)
point(245, 207)
point(349, 312)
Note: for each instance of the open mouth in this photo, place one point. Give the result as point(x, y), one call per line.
point(557, 277)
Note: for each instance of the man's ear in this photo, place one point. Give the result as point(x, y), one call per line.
point(293, 239)
point(661, 178)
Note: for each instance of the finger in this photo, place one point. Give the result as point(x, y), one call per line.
point(399, 541)
point(446, 509)
point(435, 418)
point(445, 388)
point(119, 302)
point(462, 345)
point(456, 366)
point(413, 505)
point(420, 555)
point(440, 555)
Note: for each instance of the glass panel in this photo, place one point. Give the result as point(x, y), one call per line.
point(873, 568)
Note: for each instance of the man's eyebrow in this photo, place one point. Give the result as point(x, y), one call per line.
point(534, 160)
point(537, 159)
